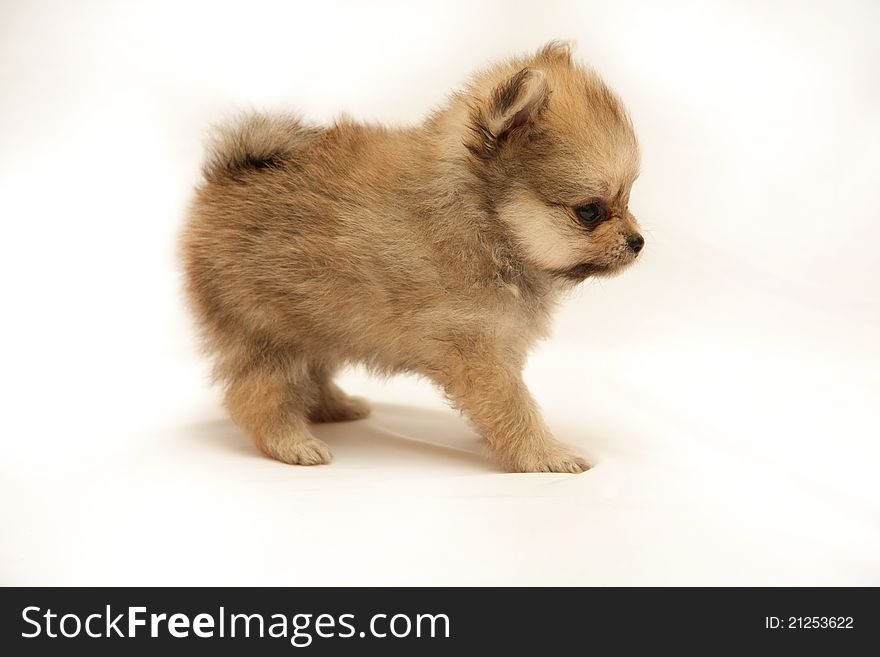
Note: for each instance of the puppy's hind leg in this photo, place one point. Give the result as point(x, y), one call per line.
point(270, 398)
point(332, 404)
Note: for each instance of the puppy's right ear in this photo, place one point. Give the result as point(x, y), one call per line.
point(509, 112)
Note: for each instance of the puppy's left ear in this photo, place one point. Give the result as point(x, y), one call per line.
point(509, 111)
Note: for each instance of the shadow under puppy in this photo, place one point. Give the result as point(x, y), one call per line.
point(439, 250)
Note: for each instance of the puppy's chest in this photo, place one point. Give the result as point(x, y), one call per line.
point(520, 318)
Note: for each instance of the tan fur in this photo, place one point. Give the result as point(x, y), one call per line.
point(438, 250)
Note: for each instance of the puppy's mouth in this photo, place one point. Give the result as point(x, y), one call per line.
point(584, 271)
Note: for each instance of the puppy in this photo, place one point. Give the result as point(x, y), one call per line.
point(439, 250)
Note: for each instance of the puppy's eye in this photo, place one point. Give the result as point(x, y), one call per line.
point(592, 214)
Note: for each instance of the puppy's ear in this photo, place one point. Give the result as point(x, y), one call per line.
point(509, 111)
point(557, 51)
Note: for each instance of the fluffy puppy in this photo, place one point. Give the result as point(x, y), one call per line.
point(439, 250)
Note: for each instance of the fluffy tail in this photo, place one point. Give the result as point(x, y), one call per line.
point(255, 141)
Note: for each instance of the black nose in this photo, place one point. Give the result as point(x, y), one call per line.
point(636, 242)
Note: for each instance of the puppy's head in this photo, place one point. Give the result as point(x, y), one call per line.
point(559, 154)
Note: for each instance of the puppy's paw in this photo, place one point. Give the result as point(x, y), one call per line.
point(340, 409)
point(306, 451)
point(553, 459)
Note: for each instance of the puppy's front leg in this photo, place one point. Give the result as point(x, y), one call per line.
point(493, 395)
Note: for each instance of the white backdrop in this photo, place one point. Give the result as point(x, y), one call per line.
point(726, 387)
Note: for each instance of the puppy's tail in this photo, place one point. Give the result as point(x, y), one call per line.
point(254, 142)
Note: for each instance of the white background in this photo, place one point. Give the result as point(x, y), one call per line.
point(726, 387)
